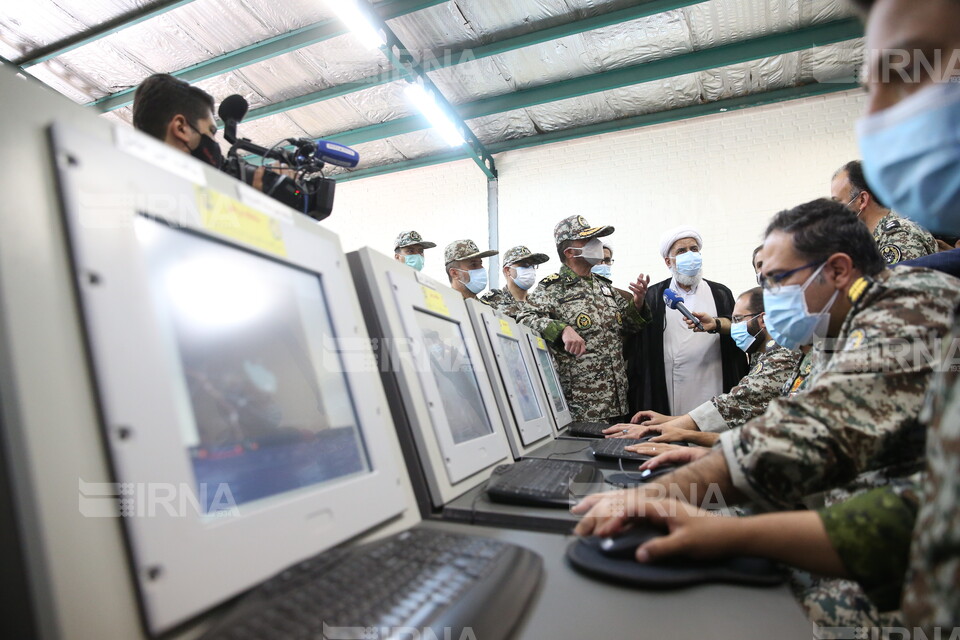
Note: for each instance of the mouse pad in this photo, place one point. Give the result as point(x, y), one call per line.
point(585, 556)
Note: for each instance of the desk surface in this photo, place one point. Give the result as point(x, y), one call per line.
point(570, 605)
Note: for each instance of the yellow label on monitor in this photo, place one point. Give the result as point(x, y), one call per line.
point(541, 344)
point(435, 301)
point(505, 328)
point(226, 216)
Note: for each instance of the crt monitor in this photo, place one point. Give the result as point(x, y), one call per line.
point(241, 434)
point(549, 379)
point(516, 383)
point(442, 397)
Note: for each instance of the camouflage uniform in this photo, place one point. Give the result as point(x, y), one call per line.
point(900, 239)
point(501, 299)
point(801, 373)
point(860, 410)
point(931, 593)
point(410, 238)
point(769, 371)
point(595, 384)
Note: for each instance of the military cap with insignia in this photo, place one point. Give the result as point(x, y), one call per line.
point(464, 250)
point(577, 228)
point(517, 254)
point(410, 238)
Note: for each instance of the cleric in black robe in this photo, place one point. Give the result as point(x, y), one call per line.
point(698, 366)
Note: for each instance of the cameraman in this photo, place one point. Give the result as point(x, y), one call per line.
point(181, 116)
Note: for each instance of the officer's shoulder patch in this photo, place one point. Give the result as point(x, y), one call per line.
point(891, 254)
point(553, 278)
point(892, 225)
point(858, 288)
point(855, 339)
point(584, 321)
point(757, 369)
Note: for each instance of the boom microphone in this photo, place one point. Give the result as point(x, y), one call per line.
point(675, 302)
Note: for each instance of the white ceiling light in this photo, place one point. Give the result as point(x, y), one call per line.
point(356, 20)
point(425, 102)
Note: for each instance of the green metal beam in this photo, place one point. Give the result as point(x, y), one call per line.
point(725, 55)
point(450, 59)
point(270, 48)
point(625, 124)
point(103, 30)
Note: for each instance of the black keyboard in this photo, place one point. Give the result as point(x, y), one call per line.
point(419, 579)
point(613, 448)
point(543, 483)
point(587, 429)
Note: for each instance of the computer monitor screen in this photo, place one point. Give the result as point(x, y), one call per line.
point(553, 387)
point(517, 370)
point(456, 381)
point(261, 416)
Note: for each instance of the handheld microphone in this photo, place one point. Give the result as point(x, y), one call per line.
point(675, 302)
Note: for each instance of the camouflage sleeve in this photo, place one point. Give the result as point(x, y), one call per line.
point(871, 533)
point(907, 242)
point(633, 319)
point(749, 399)
point(858, 414)
point(539, 313)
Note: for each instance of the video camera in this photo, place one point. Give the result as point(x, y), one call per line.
point(302, 186)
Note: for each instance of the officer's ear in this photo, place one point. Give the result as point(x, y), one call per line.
point(840, 271)
point(506, 272)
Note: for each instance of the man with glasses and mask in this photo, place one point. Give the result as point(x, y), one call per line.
point(584, 319)
point(857, 423)
point(899, 239)
point(672, 369)
point(520, 272)
point(771, 367)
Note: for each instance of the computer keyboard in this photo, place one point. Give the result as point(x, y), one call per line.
point(543, 483)
point(416, 580)
point(587, 429)
point(614, 448)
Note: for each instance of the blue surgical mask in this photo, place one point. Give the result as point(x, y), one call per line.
point(602, 270)
point(911, 156)
point(415, 261)
point(689, 263)
point(741, 335)
point(789, 322)
point(478, 280)
point(525, 277)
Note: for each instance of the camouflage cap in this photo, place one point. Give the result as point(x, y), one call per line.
point(522, 253)
point(464, 250)
point(410, 238)
point(577, 228)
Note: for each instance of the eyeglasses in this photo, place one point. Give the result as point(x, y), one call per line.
point(739, 319)
point(607, 261)
point(773, 284)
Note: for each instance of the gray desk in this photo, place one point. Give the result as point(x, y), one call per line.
point(573, 607)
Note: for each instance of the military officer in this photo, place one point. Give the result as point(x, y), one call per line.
point(581, 315)
point(898, 239)
point(520, 272)
point(409, 249)
point(463, 261)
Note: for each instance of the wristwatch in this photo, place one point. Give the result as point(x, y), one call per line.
point(716, 326)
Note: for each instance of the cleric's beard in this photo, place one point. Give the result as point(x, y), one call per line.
point(687, 282)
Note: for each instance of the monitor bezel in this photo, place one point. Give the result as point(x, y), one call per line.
point(135, 379)
point(536, 343)
point(524, 435)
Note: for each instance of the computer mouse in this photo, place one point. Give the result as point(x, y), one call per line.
point(636, 478)
point(625, 545)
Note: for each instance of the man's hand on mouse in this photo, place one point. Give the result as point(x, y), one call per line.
point(692, 532)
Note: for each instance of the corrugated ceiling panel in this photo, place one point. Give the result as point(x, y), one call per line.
point(725, 21)
point(503, 126)
point(436, 28)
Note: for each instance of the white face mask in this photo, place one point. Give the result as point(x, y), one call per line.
point(592, 252)
point(525, 277)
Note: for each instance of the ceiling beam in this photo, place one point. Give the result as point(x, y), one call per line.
point(715, 57)
point(269, 48)
point(102, 30)
point(624, 124)
point(450, 59)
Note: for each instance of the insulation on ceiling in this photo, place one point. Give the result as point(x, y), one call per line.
point(205, 29)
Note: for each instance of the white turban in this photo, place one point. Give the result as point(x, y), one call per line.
point(667, 239)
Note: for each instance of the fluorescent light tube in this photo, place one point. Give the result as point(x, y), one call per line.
point(425, 102)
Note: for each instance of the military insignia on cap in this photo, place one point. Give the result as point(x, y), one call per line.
point(891, 254)
point(582, 222)
point(584, 321)
point(857, 289)
point(855, 339)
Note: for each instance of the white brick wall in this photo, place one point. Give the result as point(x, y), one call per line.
point(725, 174)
